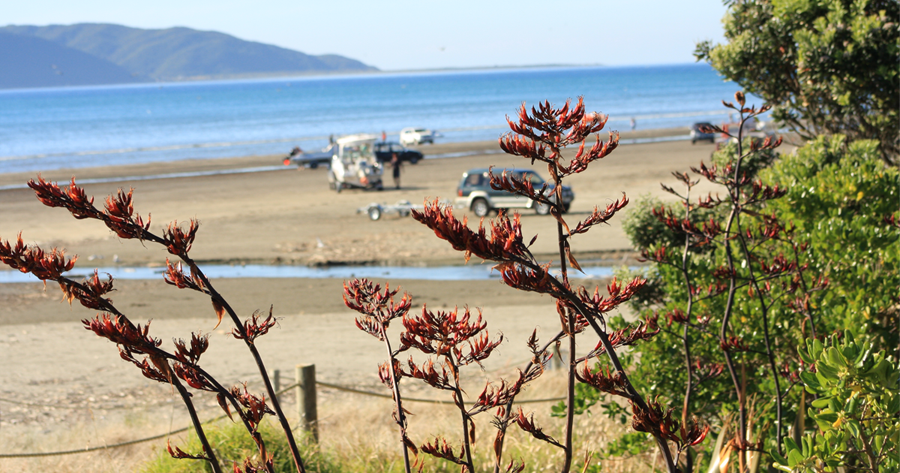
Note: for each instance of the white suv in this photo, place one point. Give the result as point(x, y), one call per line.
point(416, 136)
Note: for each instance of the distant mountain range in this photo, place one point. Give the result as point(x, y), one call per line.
point(94, 54)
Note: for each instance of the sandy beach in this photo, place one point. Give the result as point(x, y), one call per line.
point(280, 216)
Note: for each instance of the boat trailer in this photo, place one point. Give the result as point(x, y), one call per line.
point(402, 208)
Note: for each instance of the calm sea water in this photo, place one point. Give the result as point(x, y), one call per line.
point(43, 129)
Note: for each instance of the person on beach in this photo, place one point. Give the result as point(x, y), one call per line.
point(294, 152)
point(633, 123)
point(383, 136)
point(395, 167)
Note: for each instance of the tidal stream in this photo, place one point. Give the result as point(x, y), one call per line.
point(470, 272)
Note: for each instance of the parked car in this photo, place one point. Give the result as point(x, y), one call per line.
point(384, 151)
point(354, 164)
point(417, 136)
point(698, 135)
point(476, 194)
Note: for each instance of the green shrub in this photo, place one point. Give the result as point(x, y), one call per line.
point(231, 442)
point(837, 196)
point(827, 66)
point(856, 410)
point(643, 229)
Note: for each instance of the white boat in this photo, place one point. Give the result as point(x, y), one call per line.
point(311, 159)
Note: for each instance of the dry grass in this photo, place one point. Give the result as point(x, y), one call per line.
point(359, 431)
point(356, 432)
point(36, 438)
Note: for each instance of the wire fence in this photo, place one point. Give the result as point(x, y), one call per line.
point(216, 419)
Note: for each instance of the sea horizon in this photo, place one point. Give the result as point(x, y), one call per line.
point(343, 74)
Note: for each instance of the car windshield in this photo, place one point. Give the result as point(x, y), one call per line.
point(534, 178)
point(360, 151)
point(474, 180)
point(531, 176)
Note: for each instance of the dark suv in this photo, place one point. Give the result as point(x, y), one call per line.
point(384, 150)
point(475, 192)
point(697, 133)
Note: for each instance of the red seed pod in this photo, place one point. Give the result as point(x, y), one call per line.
point(176, 452)
point(441, 449)
point(178, 240)
point(526, 423)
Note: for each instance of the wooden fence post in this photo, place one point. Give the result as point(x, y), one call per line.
point(306, 399)
point(276, 380)
point(559, 362)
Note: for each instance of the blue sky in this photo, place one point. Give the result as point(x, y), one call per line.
point(402, 34)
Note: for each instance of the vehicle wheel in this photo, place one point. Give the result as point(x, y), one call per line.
point(374, 212)
point(480, 207)
point(313, 165)
point(566, 208)
point(541, 208)
point(413, 160)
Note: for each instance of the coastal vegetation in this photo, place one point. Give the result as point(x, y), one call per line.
point(815, 258)
point(453, 339)
point(826, 67)
point(799, 251)
point(179, 367)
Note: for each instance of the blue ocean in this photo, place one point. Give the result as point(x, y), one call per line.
point(44, 129)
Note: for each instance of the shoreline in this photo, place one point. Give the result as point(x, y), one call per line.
point(193, 167)
point(307, 224)
point(290, 217)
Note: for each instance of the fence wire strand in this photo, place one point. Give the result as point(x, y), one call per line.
point(216, 419)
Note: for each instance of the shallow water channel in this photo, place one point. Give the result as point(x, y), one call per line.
point(471, 272)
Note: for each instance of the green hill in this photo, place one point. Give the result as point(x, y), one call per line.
point(33, 62)
point(183, 53)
